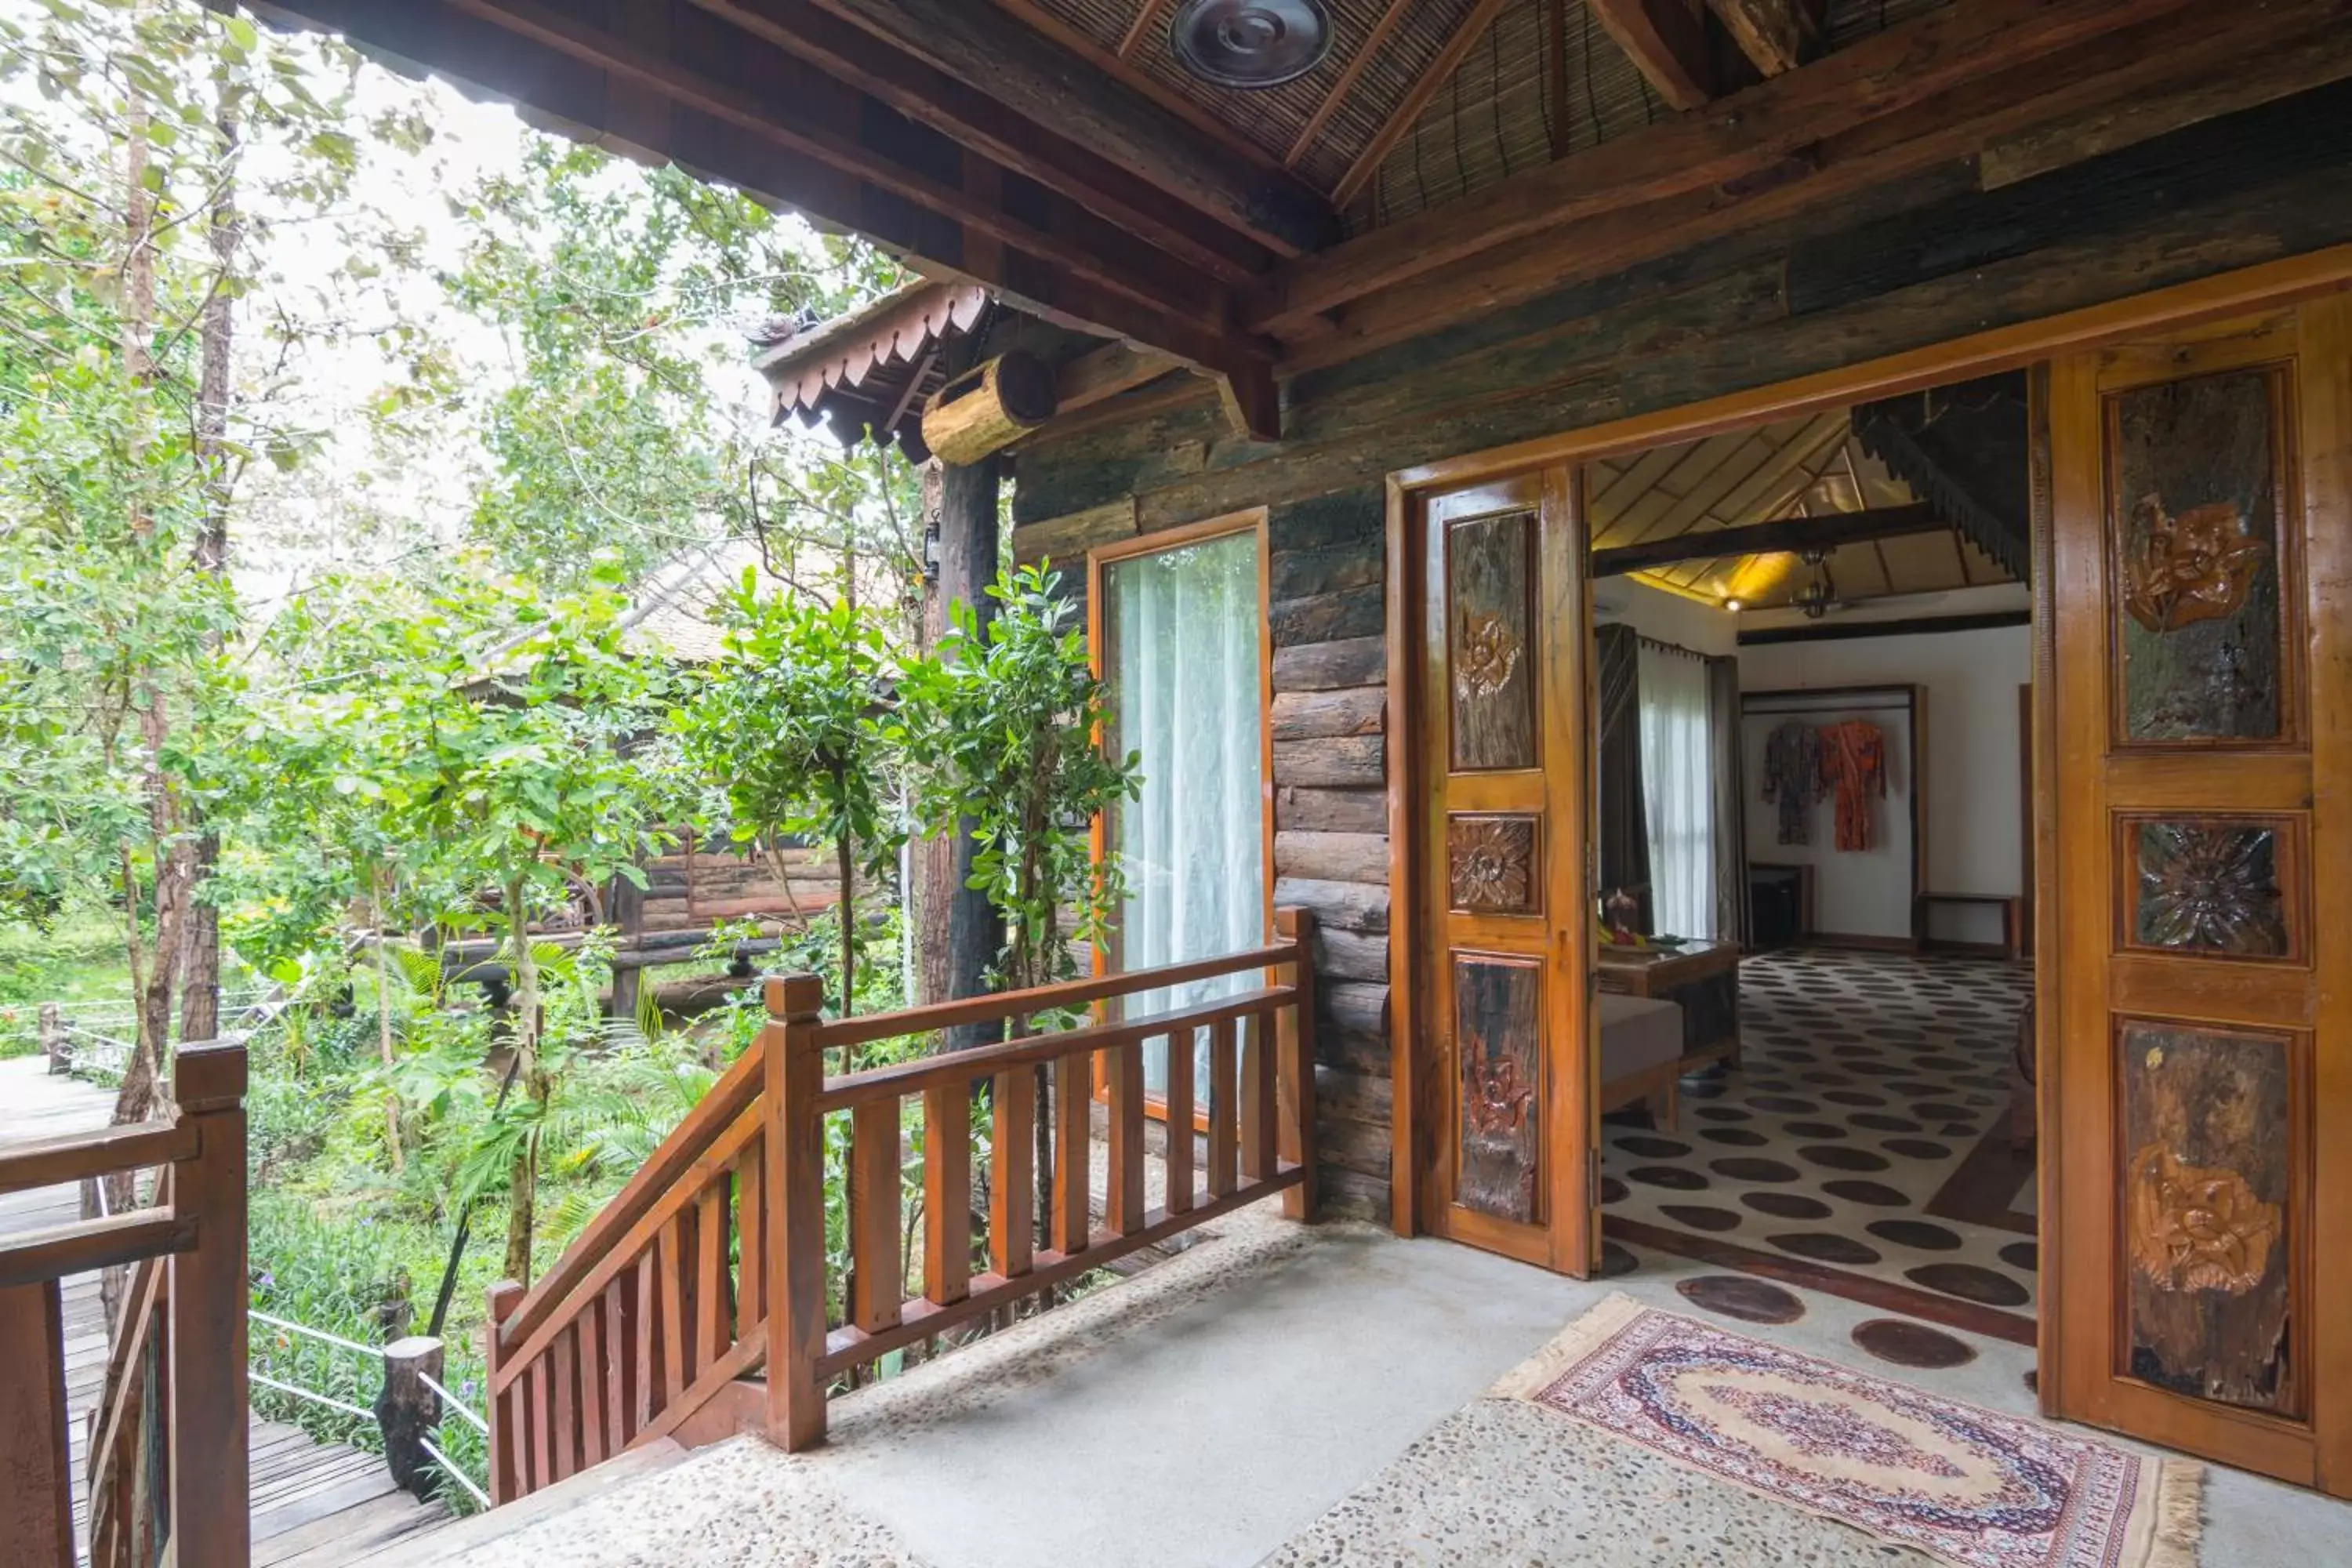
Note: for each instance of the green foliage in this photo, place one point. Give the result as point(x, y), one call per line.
point(1004, 726)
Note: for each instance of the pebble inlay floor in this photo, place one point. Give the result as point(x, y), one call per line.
point(1865, 1080)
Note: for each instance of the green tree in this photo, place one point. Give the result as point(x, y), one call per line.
point(520, 782)
point(787, 728)
point(1005, 725)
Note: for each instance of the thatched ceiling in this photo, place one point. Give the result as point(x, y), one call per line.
point(1420, 100)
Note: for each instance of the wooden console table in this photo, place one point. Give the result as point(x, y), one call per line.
point(1700, 977)
point(2012, 918)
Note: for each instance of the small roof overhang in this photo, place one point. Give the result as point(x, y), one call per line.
point(867, 375)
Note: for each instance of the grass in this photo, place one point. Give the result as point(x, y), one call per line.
point(77, 960)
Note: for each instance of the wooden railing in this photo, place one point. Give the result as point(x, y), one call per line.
point(167, 1454)
point(711, 1263)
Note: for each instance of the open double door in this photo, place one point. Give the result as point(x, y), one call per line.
point(2194, 850)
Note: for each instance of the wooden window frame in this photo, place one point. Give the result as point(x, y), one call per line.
point(1254, 521)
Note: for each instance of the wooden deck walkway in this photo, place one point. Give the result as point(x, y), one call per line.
point(314, 1504)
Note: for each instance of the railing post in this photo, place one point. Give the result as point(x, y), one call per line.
point(407, 1410)
point(209, 1465)
point(1294, 1065)
point(794, 1072)
point(506, 1432)
point(36, 1499)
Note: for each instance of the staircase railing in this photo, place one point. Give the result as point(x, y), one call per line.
point(711, 1263)
point(167, 1458)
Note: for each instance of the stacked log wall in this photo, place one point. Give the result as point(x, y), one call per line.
point(1919, 262)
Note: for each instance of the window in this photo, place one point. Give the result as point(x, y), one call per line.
point(1181, 629)
point(1678, 790)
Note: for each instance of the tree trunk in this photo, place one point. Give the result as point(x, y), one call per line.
point(969, 530)
point(384, 1020)
point(931, 862)
point(845, 860)
point(522, 1189)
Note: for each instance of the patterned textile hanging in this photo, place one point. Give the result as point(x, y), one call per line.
point(1853, 768)
point(1793, 778)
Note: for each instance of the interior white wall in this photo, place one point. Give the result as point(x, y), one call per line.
point(1856, 892)
point(1975, 803)
point(1667, 617)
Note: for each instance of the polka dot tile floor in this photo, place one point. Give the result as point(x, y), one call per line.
point(1865, 1080)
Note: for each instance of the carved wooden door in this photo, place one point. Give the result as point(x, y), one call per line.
point(1505, 1020)
point(2197, 975)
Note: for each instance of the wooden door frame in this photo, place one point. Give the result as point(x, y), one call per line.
point(2024, 345)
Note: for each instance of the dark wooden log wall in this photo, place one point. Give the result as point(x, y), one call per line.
point(1924, 261)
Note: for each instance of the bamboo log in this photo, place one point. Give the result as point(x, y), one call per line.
point(988, 409)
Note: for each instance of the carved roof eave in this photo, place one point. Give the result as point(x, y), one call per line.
point(843, 355)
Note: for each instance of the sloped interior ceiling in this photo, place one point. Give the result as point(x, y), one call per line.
point(1806, 467)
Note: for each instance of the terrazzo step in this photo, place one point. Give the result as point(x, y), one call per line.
point(453, 1541)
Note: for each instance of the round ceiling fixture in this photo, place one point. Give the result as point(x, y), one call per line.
point(1249, 43)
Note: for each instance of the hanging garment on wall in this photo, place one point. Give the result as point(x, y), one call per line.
point(1854, 769)
point(1793, 778)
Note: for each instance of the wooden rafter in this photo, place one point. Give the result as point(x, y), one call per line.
point(1786, 535)
point(1408, 110)
point(1146, 14)
point(1666, 41)
point(1348, 78)
point(1022, 55)
point(971, 116)
point(1776, 35)
point(684, 86)
point(1124, 72)
point(2155, 51)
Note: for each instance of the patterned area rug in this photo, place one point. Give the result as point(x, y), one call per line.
point(1967, 1485)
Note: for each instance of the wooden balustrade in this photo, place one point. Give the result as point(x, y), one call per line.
point(167, 1462)
point(711, 1263)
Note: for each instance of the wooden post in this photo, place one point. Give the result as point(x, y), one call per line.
point(968, 564)
point(36, 1499)
point(211, 1486)
point(53, 1039)
point(1294, 1065)
point(407, 1411)
point(507, 1472)
point(794, 1071)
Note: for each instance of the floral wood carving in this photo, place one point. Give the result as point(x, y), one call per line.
point(2210, 888)
point(2197, 1228)
point(1489, 653)
point(1490, 865)
point(2191, 568)
point(1499, 1100)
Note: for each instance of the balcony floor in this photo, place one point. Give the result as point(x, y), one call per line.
point(1214, 1407)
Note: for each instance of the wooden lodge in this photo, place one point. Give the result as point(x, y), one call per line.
point(1351, 368)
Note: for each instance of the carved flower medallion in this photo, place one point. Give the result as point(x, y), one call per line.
point(2214, 888)
point(1490, 864)
point(2193, 567)
point(2197, 1227)
point(1489, 652)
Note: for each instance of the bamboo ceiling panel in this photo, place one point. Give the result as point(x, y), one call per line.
point(1272, 120)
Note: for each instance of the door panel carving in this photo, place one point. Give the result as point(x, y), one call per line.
point(2208, 1144)
point(1490, 571)
point(2193, 486)
point(1493, 864)
point(1498, 1040)
point(2210, 887)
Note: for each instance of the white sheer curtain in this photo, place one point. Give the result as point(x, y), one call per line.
point(1678, 790)
point(1183, 630)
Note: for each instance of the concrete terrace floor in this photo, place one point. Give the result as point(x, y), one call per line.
point(1206, 1412)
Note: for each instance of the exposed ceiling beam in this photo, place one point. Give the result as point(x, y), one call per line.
point(1786, 535)
point(1103, 374)
point(1408, 110)
point(1738, 137)
point(1070, 95)
point(2097, 86)
point(956, 109)
point(684, 86)
point(1666, 41)
point(1145, 14)
point(1776, 35)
